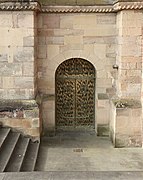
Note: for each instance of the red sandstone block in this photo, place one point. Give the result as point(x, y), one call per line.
point(51, 21)
point(33, 132)
point(26, 123)
point(45, 32)
point(15, 122)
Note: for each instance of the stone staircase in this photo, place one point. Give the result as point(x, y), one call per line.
point(17, 153)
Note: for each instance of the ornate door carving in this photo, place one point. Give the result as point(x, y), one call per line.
point(75, 94)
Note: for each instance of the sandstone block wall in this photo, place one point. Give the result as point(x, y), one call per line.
point(18, 71)
point(21, 115)
point(88, 36)
point(17, 54)
point(129, 57)
point(126, 123)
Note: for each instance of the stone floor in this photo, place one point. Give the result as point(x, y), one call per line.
point(73, 176)
point(78, 156)
point(86, 152)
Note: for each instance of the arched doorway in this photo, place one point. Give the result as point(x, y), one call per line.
point(75, 94)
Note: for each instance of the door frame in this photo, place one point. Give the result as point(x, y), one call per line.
point(70, 127)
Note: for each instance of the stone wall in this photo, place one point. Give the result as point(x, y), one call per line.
point(21, 115)
point(17, 56)
point(18, 71)
point(34, 43)
point(129, 56)
point(126, 123)
point(63, 36)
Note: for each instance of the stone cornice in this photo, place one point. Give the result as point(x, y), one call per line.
point(35, 6)
point(17, 6)
point(118, 6)
point(77, 9)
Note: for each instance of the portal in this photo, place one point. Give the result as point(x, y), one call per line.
point(75, 94)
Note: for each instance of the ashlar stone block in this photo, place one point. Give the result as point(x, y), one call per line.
point(52, 51)
point(51, 21)
point(11, 69)
point(66, 22)
point(73, 40)
point(106, 18)
point(24, 54)
point(42, 51)
point(28, 41)
point(83, 21)
point(24, 82)
point(5, 19)
point(8, 82)
point(26, 19)
point(28, 69)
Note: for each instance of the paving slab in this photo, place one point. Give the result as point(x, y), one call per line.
point(75, 176)
point(2, 175)
point(77, 152)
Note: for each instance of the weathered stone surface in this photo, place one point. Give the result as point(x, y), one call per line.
point(85, 2)
point(42, 52)
point(55, 40)
point(24, 82)
point(51, 21)
point(28, 69)
point(16, 93)
point(7, 82)
point(31, 113)
point(35, 123)
point(3, 57)
point(102, 96)
point(11, 69)
point(26, 19)
point(99, 40)
point(24, 54)
point(104, 39)
point(128, 141)
point(106, 19)
point(130, 103)
point(74, 2)
point(28, 41)
point(22, 115)
point(103, 130)
point(70, 32)
point(26, 123)
point(6, 104)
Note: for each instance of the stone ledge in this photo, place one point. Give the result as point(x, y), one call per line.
point(103, 130)
point(21, 115)
point(10, 104)
point(127, 103)
point(102, 96)
point(128, 141)
point(44, 97)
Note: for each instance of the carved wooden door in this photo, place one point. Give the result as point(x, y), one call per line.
point(75, 94)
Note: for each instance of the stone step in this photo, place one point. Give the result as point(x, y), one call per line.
point(7, 149)
point(30, 157)
point(18, 155)
point(41, 160)
point(3, 134)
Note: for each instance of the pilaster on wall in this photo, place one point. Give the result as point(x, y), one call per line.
point(18, 72)
point(127, 129)
point(17, 54)
point(129, 56)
